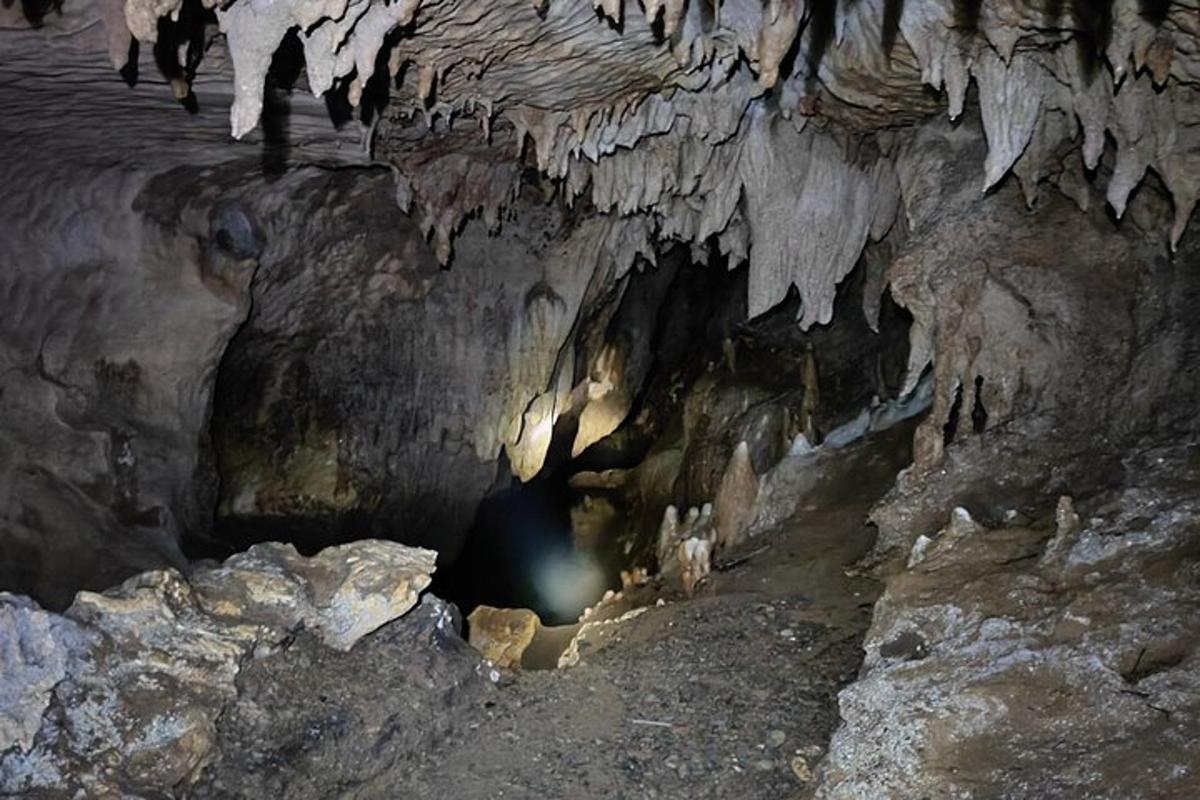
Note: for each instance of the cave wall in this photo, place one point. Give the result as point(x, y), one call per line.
point(372, 392)
point(794, 137)
point(1080, 328)
point(720, 382)
point(109, 343)
point(368, 391)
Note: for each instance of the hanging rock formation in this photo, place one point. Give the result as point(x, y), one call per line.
point(793, 136)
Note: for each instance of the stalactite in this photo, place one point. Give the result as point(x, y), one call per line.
point(676, 133)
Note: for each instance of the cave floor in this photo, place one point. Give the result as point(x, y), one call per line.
point(730, 693)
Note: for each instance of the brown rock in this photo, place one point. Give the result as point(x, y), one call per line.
point(502, 634)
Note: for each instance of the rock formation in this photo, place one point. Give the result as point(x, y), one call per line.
point(502, 635)
point(120, 695)
point(1043, 660)
point(339, 273)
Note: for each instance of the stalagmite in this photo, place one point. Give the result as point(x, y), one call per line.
point(734, 506)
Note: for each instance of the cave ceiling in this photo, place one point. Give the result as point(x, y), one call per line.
point(779, 128)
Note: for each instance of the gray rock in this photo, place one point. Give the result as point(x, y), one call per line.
point(121, 695)
point(993, 672)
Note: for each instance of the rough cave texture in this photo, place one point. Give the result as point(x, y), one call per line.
point(334, 271)
point(112, 330)
point(120, 695)
point(340, 412)
point(1050, 658)
point(1008, 316)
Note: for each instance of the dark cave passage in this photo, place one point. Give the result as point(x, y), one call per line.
point(520, 553)
point(309, 445)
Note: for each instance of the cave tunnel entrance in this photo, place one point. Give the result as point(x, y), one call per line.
point(551, 546)
point(521, 550)
point(309, 445)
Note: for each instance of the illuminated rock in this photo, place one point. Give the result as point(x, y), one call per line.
point(341, 594)
point(502, 635)
point(685, 547)
point(734, 507)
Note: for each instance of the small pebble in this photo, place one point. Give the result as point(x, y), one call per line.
point(776, 738)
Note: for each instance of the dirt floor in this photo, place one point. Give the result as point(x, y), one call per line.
point(730, 694)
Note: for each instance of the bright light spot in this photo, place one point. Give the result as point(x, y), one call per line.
point(540, 435)
point(569, 582)
point(598, 419)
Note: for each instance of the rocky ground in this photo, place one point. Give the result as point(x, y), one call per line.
point(1053, 656)
point(729, 694)
point(1056, 655)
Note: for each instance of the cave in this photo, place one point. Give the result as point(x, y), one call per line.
point(552, 398)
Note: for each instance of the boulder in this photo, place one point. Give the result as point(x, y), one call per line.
point(502, 635)
point(120, 696)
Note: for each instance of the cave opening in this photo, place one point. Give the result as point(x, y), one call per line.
point(521, 550)
point(950, 428)
point(672, 372)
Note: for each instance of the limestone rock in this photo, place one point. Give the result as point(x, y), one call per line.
point(991, 671)
point(37, 650)
point(501, 635)
point(342, 593)
point(734, 506)
point(685, 547)
point(695, 561)
point(138, 676)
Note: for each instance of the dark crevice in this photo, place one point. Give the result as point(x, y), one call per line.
point(951, 427)
point(893, 11)
point(186, 33)
point(979, 415)
point(36, 11)
point(1093, 20)
point(822, 14)
point(966, 14)
point(286, 66)
point(1154, 11)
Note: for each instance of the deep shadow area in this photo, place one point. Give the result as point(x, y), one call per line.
point(520, 554)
